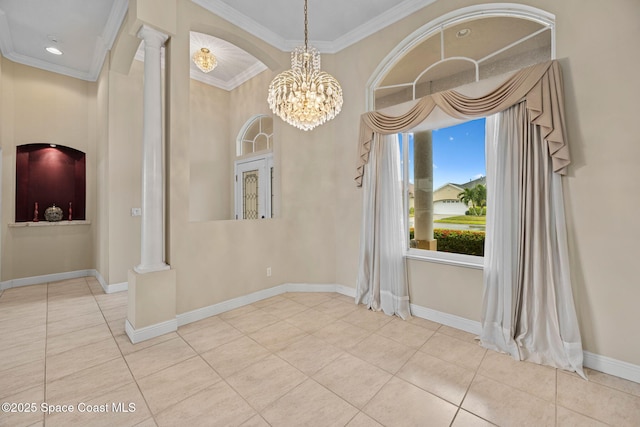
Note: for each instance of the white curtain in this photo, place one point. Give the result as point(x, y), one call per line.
point(382, 283)
point(528, 308)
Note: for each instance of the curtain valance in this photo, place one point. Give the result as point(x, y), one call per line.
point(539, 85)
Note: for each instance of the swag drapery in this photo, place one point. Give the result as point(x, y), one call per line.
point(534, 288)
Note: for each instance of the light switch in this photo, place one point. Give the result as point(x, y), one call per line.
point(136, 211)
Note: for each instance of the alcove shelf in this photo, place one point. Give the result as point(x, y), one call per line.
point(49, 224)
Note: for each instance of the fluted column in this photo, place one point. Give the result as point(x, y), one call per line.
point(152, 235)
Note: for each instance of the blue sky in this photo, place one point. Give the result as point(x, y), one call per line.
point(458, 153)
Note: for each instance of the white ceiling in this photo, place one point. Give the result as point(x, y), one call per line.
point(85, 30)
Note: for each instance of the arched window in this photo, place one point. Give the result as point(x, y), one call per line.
point(256, 135)
point(464, 46)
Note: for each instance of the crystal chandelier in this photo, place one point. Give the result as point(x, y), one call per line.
point(205, 60)
point(304, 96)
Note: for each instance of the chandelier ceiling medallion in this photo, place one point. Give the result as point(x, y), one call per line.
point(205, 60)
point(305, 96)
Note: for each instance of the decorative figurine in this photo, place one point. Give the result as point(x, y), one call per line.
point(70, 210)
point(35, 213)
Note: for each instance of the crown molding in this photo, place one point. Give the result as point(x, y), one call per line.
point(103, 44)
point(396, 13)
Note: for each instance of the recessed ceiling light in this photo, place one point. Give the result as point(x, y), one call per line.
point(52, 145)
point(53, 50)
point(463, 33)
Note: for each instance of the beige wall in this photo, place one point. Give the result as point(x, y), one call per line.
point(596, 48)
point(43, 107)
point(446, 193)
point(211, 172)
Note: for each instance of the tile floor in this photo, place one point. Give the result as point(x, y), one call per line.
point(298, 359)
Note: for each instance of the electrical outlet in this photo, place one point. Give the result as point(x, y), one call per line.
point(136, 211)
point(268, 271)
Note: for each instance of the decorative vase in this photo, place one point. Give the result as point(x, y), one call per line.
point(35, 213)
point(53, 213)
point(70, 212)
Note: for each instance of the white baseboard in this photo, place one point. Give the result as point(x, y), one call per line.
point(109, 289)
point(46, 278)
point(56, 277)
point(610, 366)
point(447, 319)
point(148, 332)
point(215, 309)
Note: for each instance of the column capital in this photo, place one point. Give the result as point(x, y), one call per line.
point(152, 37)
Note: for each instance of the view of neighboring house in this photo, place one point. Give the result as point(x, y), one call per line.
point(445, 198)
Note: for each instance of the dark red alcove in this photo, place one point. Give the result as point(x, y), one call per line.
point(49, 175)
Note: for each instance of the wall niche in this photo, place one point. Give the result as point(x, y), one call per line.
point(49, 174)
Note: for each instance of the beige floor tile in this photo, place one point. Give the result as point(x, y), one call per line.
point(457, 333)
point(252, 321)
point(178, 382)
point(336, 308)
point(284, 308)
point(61, 343)
point(504, 405)
point(219, 405)
point(363, 420)
point(89, 383)
point(342, 334)
point(401, 404)
point(309, 404)
point(345, 298)
point(149, 422)
point(444, 379)
point(20, 335)
point(19, 327)
point(215, 333)
point(310, 354)
point(241, 311)
point(235, 355)
point(255, 421)
point(454, 350)
point(383, 352)
point(268, 301)
point(114, 313)
point(21, 377)
point(74, 323)
point(424, 323)
point(277, 336)
point(117, 327)
point(265, 381)
point(127, 347)
point(536, 379)
point(567, 418)
point(613, 382)
point(405, 333)
point(311, 321)
point(353, 379)
point(310, 299)
point(597, 401)
point(465, 419)
point(122, 407)
point(368, 319)
point(160, 356)
point(18, 419)
point(106, 301)
point(11, 357)
point(79, 358)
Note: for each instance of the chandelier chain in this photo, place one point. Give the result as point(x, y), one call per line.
point(306, 25)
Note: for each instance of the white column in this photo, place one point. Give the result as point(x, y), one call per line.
point(152, 235)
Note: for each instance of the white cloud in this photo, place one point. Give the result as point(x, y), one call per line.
point(477, 176)
point(435, 166)
point(450, 138)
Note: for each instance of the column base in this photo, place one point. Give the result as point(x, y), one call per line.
point(431, 245)
point(152, 298)
point(143, 269)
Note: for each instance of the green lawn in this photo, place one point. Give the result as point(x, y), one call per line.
point(464, 219)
